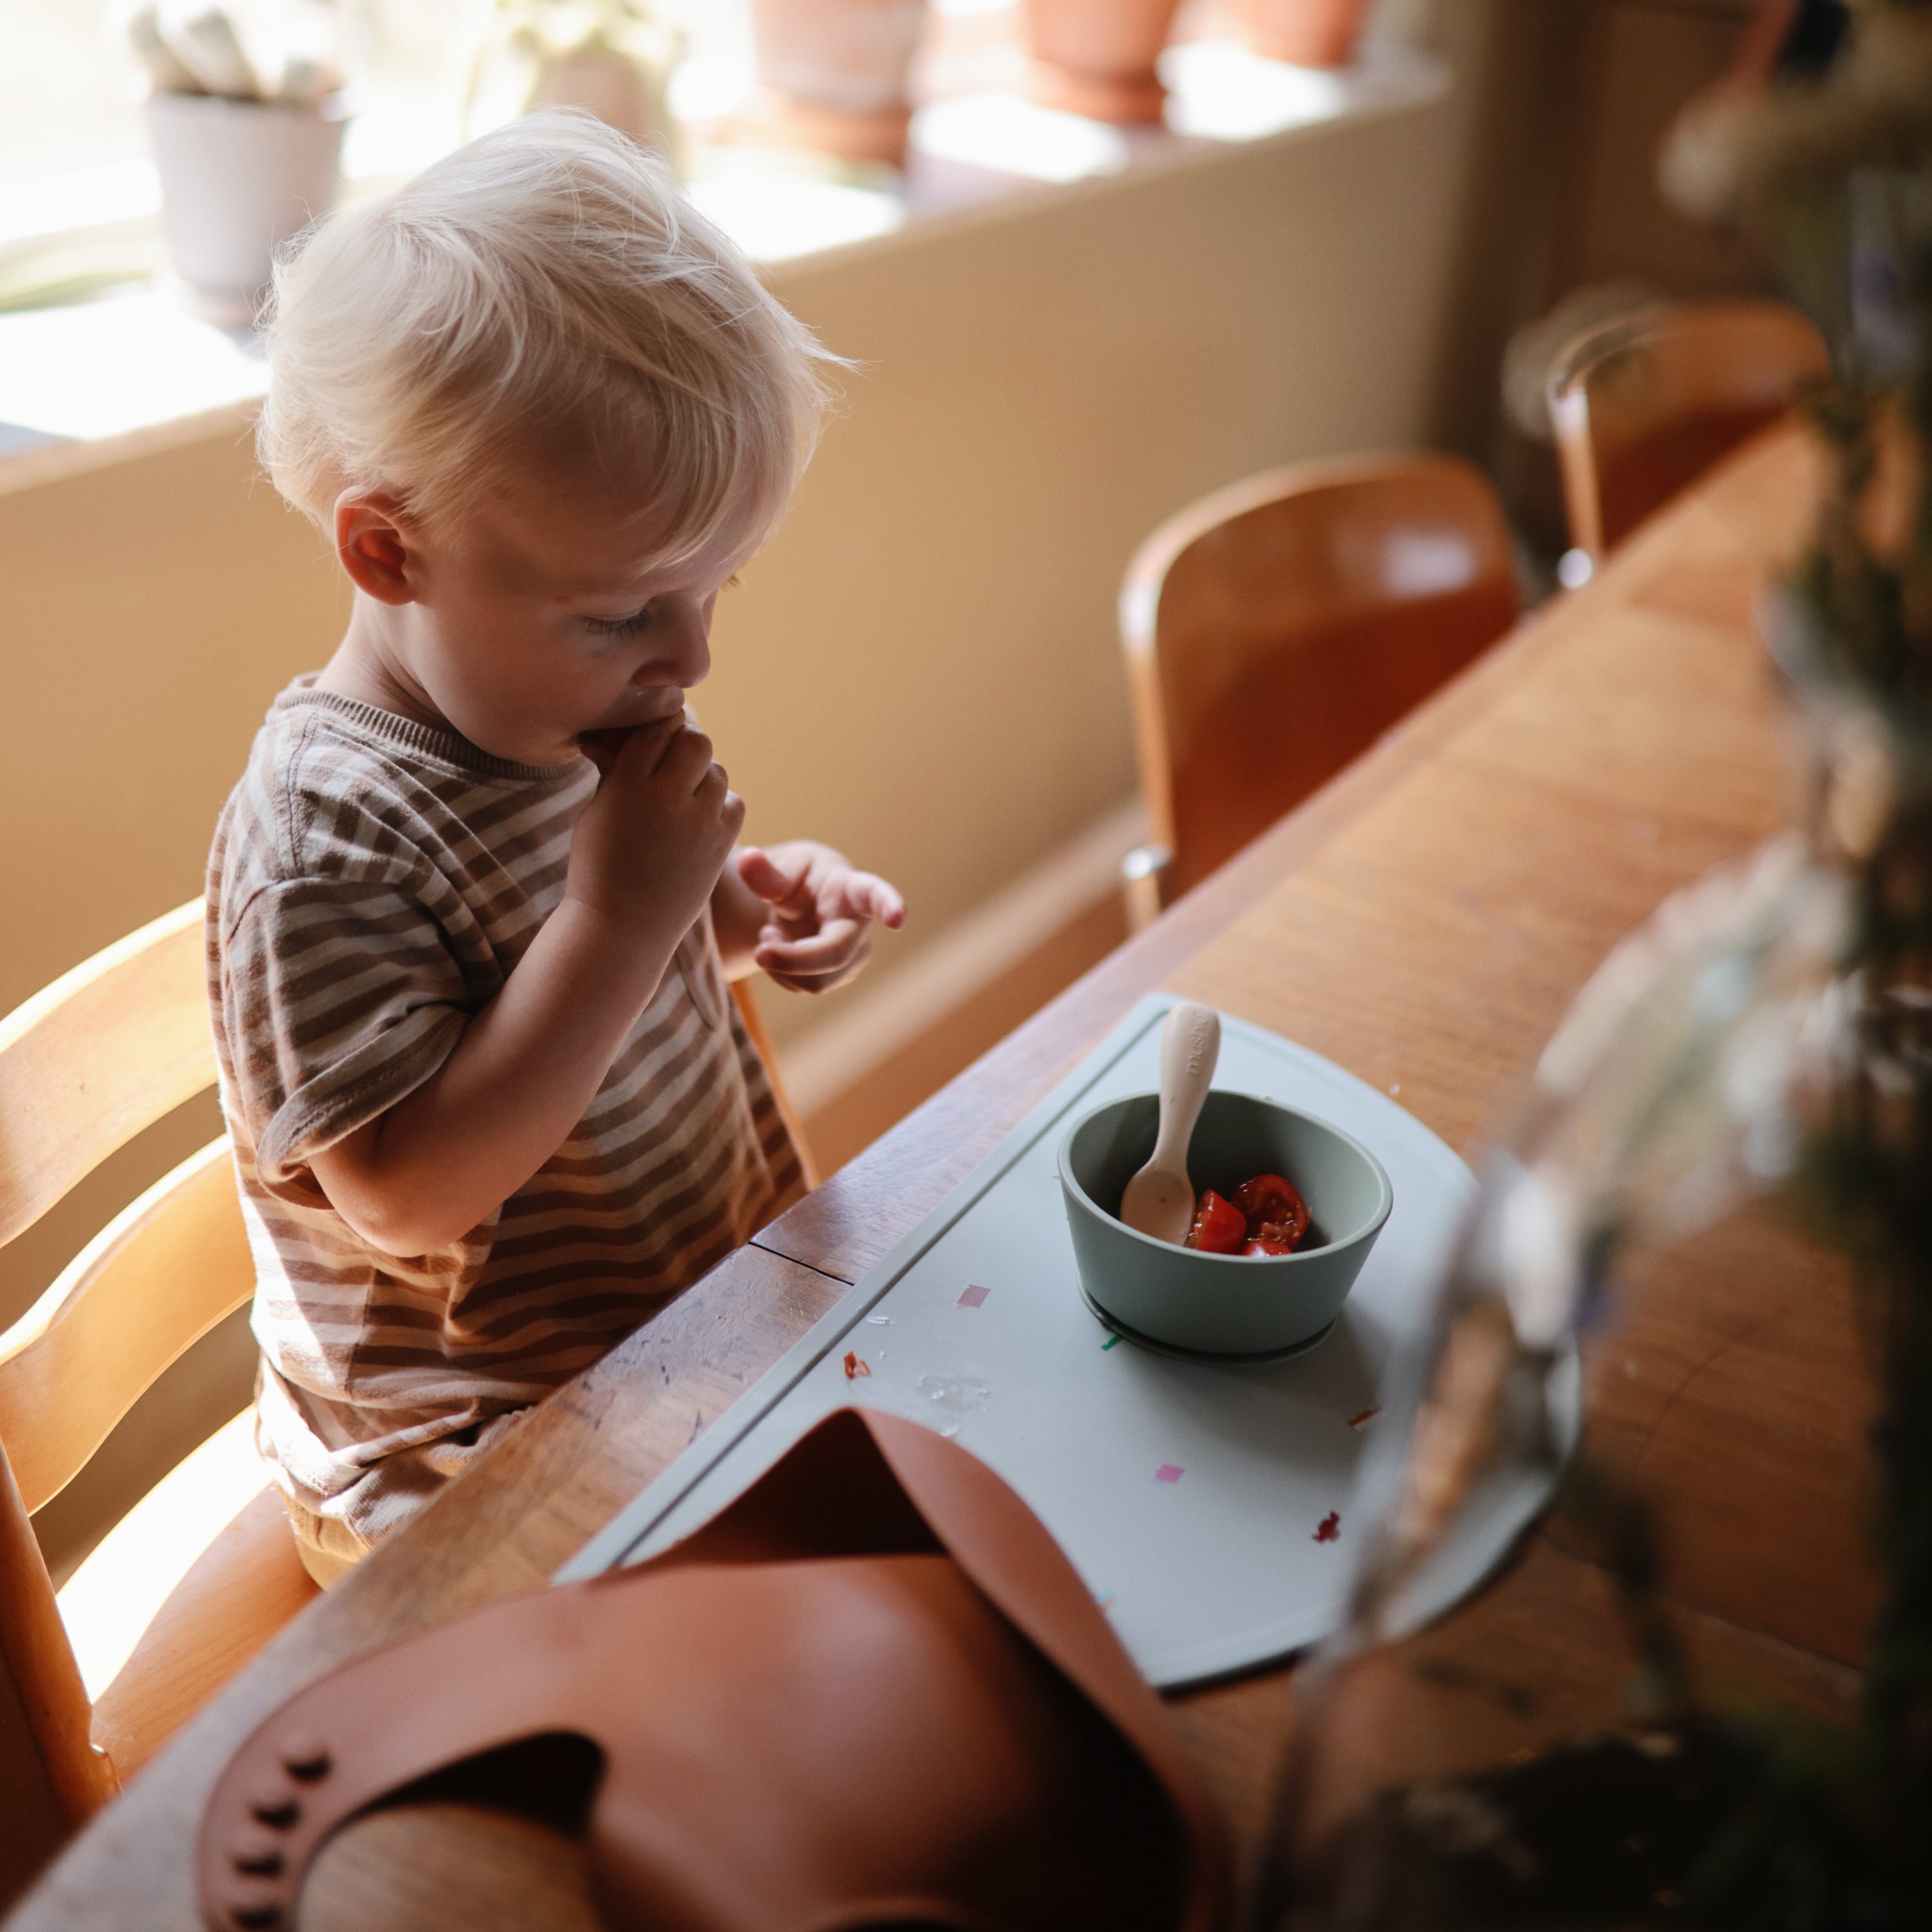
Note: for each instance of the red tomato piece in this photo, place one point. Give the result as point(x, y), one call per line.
point(1263, 1244)
point(1272, 1209)
point(1219, 1227)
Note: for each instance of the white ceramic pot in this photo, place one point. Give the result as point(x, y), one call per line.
point(237, 178)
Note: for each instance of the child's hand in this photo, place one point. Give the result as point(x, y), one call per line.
point(648, 849)
point(818, 931)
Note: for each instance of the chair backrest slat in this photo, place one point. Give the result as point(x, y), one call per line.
point(1275, 629)
point(51, 1777)
point(744, 993)
point(104, 1052)
point(1642, 406)
point(154, 1281)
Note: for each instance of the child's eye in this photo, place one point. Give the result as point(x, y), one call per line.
point(620, 627)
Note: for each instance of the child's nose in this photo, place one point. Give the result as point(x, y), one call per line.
point(683, 653)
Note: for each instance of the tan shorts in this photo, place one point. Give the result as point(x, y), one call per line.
point(328, 1550)
point(388, 1495)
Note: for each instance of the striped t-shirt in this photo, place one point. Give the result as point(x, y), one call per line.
point(373, 883)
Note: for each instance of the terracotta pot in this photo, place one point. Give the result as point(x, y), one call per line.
point(1097, 57)
point(1310, 33)
point(832, 75)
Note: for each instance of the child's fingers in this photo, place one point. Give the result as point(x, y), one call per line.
point(832, 948)
point(639, 745)
point(605, 747)
point(685, 760)
point(868, 896)
point(818, 982)
point(770, 881)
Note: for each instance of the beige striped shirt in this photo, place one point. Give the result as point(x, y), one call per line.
point(373, 883)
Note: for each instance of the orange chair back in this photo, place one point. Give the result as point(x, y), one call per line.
point(1645, 405)
point(1277, 628)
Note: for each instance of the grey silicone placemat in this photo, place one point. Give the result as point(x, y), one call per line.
point(1192, 1498)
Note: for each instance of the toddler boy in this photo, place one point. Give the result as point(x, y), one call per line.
point(473, 906)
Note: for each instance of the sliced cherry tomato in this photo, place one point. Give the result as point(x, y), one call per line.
point(1219, 1227)
point(1264, 1244)
point(1273, 1210)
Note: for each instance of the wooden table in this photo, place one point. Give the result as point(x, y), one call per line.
point(1423, 921)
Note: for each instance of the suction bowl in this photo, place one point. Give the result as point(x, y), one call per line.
point(1257, 1306)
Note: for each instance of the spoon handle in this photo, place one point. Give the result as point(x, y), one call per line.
point(1190, 1044)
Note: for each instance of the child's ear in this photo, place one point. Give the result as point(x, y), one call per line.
point(375, 542)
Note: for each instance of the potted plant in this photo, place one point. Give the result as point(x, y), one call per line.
point(611, 58)
point(833, 76)
point(245, 122)
point(1308, 33)
point(1097, 57)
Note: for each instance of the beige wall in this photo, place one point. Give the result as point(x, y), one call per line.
point(922, 667)
point(148, 610)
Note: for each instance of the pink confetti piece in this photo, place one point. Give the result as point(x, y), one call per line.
point(972, 1296)
point(856, 1365)
point(1367, 1416)
point(1330, 1531)
point(1169, 1472)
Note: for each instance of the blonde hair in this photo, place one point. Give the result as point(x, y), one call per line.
point(546, 288)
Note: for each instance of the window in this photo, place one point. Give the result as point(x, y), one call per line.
point(79, 202)
point(70, 92)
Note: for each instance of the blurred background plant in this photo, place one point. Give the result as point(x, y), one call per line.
point(1767, 1038)
point(1837, 182)
point(254, 50)
point(612, 57)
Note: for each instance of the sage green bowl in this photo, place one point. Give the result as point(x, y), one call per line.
point(1228, 1305)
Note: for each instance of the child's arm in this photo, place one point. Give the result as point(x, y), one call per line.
point(645, 854)
point(802, 912)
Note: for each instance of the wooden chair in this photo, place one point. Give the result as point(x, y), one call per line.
point(1275, 629)
point(84, 1067)
point(1644, 405)
point(744, 991)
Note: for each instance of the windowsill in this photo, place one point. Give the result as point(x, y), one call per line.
point(98, 380)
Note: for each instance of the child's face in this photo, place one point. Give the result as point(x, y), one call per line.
point(548, 619)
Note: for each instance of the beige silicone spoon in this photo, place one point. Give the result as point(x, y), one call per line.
point(1159, 1199)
